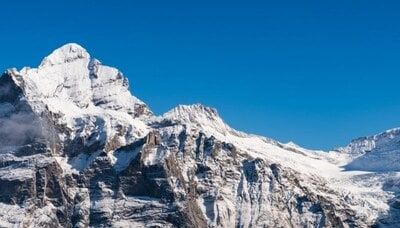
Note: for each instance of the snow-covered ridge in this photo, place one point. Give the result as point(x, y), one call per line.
point(366, 144)
point(196, 114)
point(107, 143)
point(378, 153)
point(192, 112)
point(70, 75)
point(88, 98)
point(64, 54)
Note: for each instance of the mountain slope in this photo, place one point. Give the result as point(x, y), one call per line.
point(377, 153)
point(78, 150)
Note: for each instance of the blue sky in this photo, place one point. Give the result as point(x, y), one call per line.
point(319, 73)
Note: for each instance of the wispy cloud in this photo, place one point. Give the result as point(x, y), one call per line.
point(19, 129)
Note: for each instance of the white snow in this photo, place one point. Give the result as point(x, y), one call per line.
point(84, 95)
point(363, 189)
point(124, 157)
point(16, 174)
point(67, 53)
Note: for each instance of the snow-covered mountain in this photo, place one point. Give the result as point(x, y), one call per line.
point(79, 150)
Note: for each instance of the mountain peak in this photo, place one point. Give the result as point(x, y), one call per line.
point(200, 116)
point(193, 113)
point(66, 53)
point(69, 75)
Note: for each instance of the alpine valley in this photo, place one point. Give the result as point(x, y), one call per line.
point(77, 149)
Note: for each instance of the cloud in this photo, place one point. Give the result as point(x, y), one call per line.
point(5, 89)
point(18, 125)
point(19, 128)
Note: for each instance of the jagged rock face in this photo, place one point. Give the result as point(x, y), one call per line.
point(78, 150)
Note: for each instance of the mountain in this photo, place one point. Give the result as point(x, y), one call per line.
point(77, 149)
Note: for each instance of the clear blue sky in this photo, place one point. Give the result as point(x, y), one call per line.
point(316, 72)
